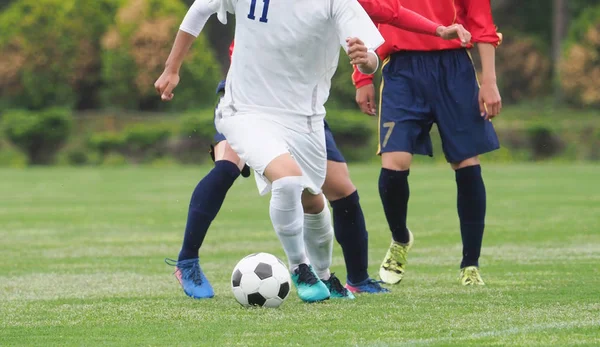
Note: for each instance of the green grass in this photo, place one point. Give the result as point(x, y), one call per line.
point(83, 251)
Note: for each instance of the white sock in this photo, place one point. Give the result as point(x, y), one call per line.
point(318, 237)
point(287, 218)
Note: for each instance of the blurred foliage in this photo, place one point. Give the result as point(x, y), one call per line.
point(580, 68)
point(106, 54)
point(135, 50)
point(523, 68)
point(38, 134)
point(139, 143)
point(50, 51)
point(534, 17)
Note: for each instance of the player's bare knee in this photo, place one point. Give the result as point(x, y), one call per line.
point(311, 203)
point(282, 166)
point(465, 163)
point(397, 161)
point(337, 182)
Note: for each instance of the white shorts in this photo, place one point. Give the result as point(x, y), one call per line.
point(258, 139)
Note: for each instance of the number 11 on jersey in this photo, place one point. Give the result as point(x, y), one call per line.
point(263, 17)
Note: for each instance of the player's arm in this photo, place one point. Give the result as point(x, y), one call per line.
point(391, 12)
point(357, 34)
point(365, 60)
point(193, 23)
point(481, 24)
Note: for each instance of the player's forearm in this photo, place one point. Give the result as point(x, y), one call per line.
point(371, 66)
point(400, 17)
point(183, 42)
point(487, 52)
point(194, 21)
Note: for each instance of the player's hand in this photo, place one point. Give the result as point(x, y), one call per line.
point(490, 103)
point(455, 31)
point(365, 98)
point(165, 84)
point(357, 51)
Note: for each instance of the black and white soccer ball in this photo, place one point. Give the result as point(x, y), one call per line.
point(260, 279)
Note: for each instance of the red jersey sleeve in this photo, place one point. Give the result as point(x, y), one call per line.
point(479, 21)
point(360, 79)
point(391, 12)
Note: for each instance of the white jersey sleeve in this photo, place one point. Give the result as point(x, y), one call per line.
point(351, 20)
point(198, 14)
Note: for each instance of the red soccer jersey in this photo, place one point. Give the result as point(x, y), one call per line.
point(474, 15)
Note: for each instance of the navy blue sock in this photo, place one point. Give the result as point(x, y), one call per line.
point(351, 233)
point(394, 193)
point(205, 204)
point(471, 204)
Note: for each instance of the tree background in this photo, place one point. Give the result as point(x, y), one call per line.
point(101, 57)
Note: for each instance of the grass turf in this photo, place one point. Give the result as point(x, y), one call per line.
point(83, 251)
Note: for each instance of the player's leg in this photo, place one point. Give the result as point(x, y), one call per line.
point(348, 221)
point(404, 124)
point(465, 135)
point(287, 215)
point(205, 203)
point(318, 237)
point(275, 166)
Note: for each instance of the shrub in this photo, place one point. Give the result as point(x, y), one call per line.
point(105, 143)
point(195, 135)
point(544, 142)
point(38, 134)
point(580, 67)
point(50, 52)
point(144, 139)
point(135, 49)
point(354, 133)
point(139, 143)
point(198, 124)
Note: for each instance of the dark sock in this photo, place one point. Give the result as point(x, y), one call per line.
point(394, 193)
point(471, 204)
point(351, 233)
point(205, 204)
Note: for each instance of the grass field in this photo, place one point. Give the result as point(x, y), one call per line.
point(83, 250)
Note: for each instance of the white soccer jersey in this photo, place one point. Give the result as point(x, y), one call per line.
point(286, 52)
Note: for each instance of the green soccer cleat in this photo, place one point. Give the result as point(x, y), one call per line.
point(337, 290)
point(392, 268)
point(309, 287)
point(469, 276)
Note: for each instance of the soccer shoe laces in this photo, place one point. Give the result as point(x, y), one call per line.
point(335, 284)
point(305, 275)
point(396, 259)
point(189, 269)
point(472, 276)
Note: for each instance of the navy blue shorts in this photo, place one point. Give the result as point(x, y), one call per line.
point(333, 153)
point(423, 88)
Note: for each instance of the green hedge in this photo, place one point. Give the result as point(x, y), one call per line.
point(526, 134)
point(38, 134)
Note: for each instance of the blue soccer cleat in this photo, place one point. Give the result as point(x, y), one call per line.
point(309, 287)
point(369, 286)
point(192, 279)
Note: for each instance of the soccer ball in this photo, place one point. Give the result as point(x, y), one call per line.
point(260, 279)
